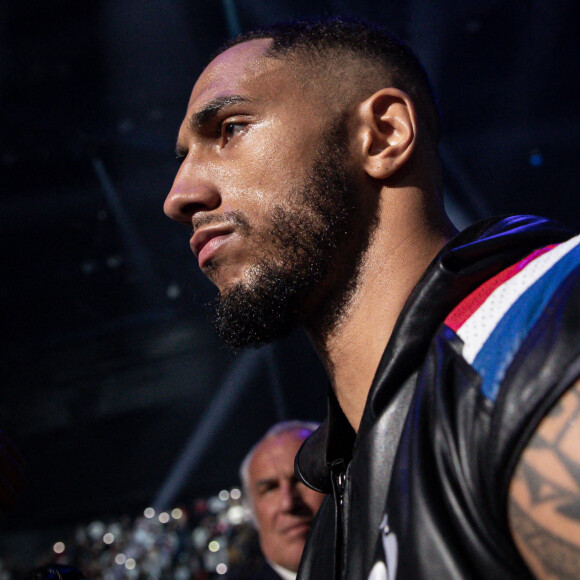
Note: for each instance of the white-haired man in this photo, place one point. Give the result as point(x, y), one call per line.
point(282, 506)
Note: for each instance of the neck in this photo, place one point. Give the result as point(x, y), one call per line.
point(393, 264)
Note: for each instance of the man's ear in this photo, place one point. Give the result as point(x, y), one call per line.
point(388, 131)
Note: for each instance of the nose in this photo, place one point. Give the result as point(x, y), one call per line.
point(289, 497)
point(190, 194)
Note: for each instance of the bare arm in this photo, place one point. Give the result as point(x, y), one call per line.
point(544, 495)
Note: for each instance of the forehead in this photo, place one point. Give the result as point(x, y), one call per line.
point(242, 68)
point(276, 454)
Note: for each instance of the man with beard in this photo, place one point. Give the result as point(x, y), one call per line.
point(310, 174)
point(282, 507)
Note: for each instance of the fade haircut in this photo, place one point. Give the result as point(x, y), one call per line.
point(327, 40)
point(302, 428)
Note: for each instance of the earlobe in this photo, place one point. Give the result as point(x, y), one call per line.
point(388, 132)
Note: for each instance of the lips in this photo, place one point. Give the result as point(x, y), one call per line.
point(206, 241)
point(297, 528)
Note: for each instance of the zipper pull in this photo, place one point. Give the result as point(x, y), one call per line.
point(338, 477)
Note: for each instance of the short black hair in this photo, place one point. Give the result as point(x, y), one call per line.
point(327, 38)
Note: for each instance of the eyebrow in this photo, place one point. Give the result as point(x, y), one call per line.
point(211, 109)
point(261, 483)
point(265, 481)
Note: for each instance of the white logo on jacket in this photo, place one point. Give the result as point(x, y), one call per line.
point(387, 570)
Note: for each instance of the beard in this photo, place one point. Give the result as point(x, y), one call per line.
point(304, 244)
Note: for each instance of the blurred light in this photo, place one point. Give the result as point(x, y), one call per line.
point(164, 517)
point(130, 564)
point(96, 530)
point(125, 126)
point(221, 568)
point(176, 514)
point(236, 515)
point(80, 535)
point(58, 548)
point(215, 505)
point(213, 546)
point(173, 291)
point(143, 536)
point(182, 572)
point(234, 27)
point(120, 559)
point(108, 538)
point(199, 536)
point(149, 513)
point(114, 262)
point(536, 158)
point(88, 267)
point(224, 495)
point(235, 493)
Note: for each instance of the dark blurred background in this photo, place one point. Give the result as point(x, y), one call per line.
point(114, 385)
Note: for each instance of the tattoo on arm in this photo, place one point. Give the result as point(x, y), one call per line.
point(544, 504)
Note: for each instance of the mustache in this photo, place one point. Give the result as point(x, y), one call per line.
point(231, 218)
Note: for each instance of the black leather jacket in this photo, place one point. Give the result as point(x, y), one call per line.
point(428, 452)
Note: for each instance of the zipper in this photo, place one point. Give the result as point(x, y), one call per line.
point(338, 478)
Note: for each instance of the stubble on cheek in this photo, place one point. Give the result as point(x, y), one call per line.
point(296, 248)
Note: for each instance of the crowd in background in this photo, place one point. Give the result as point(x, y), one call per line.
point(205, 539)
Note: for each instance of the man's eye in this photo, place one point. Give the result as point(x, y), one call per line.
point(230, 130)
point(267, 488)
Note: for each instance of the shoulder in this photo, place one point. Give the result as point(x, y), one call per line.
point(535, 295)
point(520, 331)
point(544, 497)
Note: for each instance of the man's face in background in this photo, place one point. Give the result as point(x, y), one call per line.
point(283, 506)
